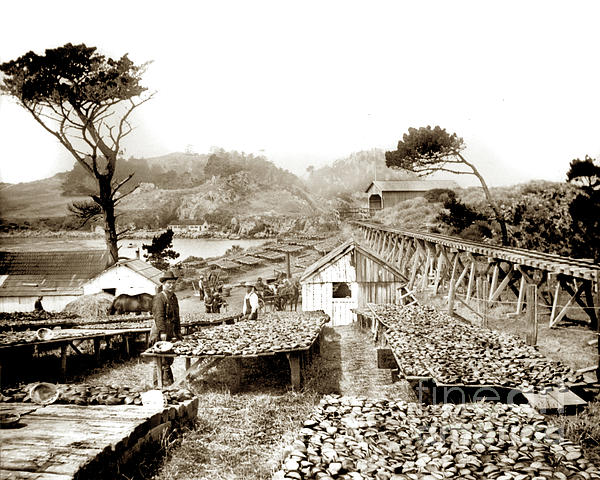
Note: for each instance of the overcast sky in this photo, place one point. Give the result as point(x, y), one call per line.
point(309, 82)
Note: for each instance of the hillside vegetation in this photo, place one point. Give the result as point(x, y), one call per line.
point(233, 192)
point(349, 177)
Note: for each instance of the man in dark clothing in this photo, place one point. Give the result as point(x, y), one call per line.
point(37, 306)
point(167, 326)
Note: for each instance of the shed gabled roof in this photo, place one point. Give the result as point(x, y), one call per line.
point(142, 268)
point(48, 273)
point(411, 185)
point(342, 250)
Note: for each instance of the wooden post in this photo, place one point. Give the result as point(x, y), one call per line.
point(288, 270)
point(486, 287)
point(522, 287)
point(294, 361)
point(495, 273)
point(425, 279)
point(532, 318)
point(555, 301)
point(471, 277)
point(478, 294)
point(97, 349)
point(451, 296)
point(159, 370)
point(597, 305)
point(63, 360)
point(438, 273)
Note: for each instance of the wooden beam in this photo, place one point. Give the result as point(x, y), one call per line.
point(496, 294)
point(485, 303)
point(521, 296)
point(438, 273)
point(597, 302)
point(471, 279)
point(528, 279)
point(418, 260)
point(63, 360)
point(401, 251)
point(452, 286)
point(294, 361)
point(425, 278)
point(495, 274)
point(590, 307)
point(563, 312)
point(532, 315)
point(74, 347)
point(554, 303)
point(462, 275)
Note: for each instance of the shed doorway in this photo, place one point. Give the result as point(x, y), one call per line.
point(375, 202)
point(342, 303)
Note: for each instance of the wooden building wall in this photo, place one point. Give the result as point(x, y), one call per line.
point(51, 303)
point(123, 280)
point(392, 198)
point(376, 283)
point(369, 281)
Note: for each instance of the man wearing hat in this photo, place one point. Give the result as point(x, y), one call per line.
point(250, 306)
point(165, 309)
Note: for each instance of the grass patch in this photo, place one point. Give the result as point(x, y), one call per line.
point(583, 429)
point(238, 436)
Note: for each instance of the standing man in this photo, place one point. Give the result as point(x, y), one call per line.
point(37, 306)
point(201, 286)
point(165, 309)
point(250, 307)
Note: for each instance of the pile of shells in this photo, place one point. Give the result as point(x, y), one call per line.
point(358, 439)
point(85, 394)
point(208, 318)
point(129, 318)
point(117, 325)
point(33, 320)
point(431, 343)
point(28, 336)
point(272, 332)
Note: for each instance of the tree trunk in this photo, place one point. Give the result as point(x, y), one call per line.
point(492, 203)
point(108, 213)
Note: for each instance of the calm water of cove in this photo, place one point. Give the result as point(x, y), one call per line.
point(198, 247)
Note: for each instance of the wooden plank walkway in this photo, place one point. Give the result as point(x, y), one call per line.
point(554, 400)
point(61, 442)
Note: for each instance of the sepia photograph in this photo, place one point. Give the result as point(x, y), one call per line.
point(282, 240)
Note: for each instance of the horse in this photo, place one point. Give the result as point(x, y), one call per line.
point(288, 293)
point(131, 303)
point(213, 300)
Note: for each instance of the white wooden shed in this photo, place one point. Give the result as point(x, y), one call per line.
point(349, 276)
point(127, 276)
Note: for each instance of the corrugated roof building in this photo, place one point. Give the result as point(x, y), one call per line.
point(387, 193)
point(63, 276)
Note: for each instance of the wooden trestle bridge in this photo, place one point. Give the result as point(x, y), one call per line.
point(443, 262)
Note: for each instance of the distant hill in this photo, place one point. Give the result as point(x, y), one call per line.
point(220, 187)
point(352, 175)
point(39, 199)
